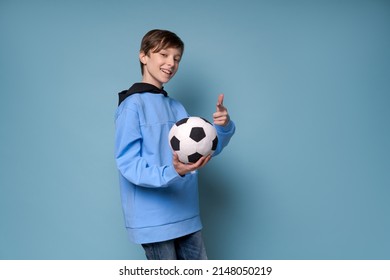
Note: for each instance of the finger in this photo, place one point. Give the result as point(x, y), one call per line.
point(204, 160)
point(207, 159)
point(199, 163)
point(220, 99)
point(220, 106)
point(196, 165)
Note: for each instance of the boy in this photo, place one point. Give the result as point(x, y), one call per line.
point(159, 193)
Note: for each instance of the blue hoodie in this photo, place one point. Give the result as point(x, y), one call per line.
point(158, 203)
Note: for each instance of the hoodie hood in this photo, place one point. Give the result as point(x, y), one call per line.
point(140, 88)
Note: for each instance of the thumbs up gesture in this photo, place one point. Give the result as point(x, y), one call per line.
point(221, 116)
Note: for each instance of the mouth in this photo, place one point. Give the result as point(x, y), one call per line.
point(166, 71)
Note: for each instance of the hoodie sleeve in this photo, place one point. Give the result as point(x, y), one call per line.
point(224, 133)
point(128, 141)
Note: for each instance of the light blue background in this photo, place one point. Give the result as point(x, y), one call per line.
point(307, 82)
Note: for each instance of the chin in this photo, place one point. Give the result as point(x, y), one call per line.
point(164, 81)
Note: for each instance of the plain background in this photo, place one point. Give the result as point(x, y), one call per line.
point(307, 82)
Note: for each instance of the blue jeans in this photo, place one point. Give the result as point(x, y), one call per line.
point(189, 247)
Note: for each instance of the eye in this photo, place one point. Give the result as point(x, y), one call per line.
point(163, 54)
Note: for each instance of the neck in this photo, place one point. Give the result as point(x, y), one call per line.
point(152, 82)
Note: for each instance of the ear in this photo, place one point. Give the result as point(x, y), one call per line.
point(142, 57)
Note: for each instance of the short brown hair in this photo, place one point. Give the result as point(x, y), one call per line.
point(157, 39)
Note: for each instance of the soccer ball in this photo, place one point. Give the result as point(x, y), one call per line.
point(193, 137)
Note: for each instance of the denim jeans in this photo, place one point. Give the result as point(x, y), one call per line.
point(189, 247)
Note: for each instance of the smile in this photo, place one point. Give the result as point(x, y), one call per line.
point(166, 71)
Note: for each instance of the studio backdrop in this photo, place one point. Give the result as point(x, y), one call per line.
point(306, 176)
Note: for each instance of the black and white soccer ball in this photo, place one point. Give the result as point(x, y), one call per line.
point(191, 138)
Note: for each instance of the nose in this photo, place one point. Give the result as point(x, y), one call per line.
point(170, 61)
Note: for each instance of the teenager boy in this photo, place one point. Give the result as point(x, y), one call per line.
point(159, 193)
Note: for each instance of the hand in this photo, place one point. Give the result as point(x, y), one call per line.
point(221, 116)
point(182, 168)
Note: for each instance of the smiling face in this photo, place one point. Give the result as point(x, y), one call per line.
point(159, 67)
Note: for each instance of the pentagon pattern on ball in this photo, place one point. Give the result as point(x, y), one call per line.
point(197, 134)
point(193, 137)
point(182, 121)
point(215, 143)
point(194, 157)
point(175, 143)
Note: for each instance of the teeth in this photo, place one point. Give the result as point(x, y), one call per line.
point(166, 71)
